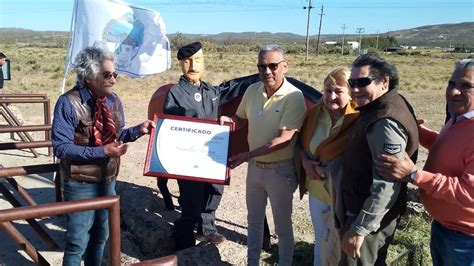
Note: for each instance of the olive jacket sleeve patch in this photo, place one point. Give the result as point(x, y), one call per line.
point(392, 148)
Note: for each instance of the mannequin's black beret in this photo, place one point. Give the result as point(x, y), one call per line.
point(188, 50)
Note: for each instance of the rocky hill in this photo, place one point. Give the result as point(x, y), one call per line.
point(443, 35)
point(460, 34)
point(437, 35)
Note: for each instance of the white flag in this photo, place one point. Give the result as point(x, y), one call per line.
point(136, 35)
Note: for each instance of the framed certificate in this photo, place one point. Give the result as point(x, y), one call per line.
point(189, 148)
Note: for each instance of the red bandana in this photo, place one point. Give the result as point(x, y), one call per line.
point(103, 128)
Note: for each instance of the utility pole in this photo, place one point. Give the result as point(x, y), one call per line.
point(359, 31)
point(377, 43)
point(307, 28)
point(320, 23)
point(343, 31)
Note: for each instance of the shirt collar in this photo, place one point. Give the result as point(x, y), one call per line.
point(284, 88)
point(189, 87)
point(461, 117)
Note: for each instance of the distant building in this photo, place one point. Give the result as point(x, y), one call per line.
point(330, 43)
point(354, 45)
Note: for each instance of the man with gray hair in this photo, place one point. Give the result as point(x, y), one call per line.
point(446, 182)
point(89, 136)
point(274, 110)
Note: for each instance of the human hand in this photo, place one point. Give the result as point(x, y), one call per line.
point(422, 127)
point(238, 159)
point(313, 169)
point(351, 243)
point(115, 149)
point(145, 127)
point(392, 167)
point(224, 119)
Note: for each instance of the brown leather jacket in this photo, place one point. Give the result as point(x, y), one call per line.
point(98, 170)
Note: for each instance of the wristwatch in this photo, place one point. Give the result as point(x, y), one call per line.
point(412, 176)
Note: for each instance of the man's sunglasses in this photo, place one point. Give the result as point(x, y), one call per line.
point(360, 82)
point(271, 66)
point(109, 75)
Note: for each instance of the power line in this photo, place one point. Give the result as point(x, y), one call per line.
point(228, 10)
point(251, 7)
point(368, 7)
point(36, 11)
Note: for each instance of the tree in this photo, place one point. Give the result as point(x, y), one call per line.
point(383, 42)
point(178, 41)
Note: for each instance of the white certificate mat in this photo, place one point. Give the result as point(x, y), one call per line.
point(187, 148)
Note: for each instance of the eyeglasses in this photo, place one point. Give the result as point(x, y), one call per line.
point(360, 82)
point(271, 66)
point(109, 75)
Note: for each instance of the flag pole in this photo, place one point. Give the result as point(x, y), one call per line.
point(71, 35)
point(64, 82)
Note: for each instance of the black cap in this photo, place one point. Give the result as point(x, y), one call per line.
point(188, 50)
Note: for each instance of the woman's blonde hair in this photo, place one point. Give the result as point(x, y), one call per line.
point(338, 76)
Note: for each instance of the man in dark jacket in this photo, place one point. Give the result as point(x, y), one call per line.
point(192, 97)
point(373, 204)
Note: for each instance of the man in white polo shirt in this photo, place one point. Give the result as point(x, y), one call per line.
point(274, 110)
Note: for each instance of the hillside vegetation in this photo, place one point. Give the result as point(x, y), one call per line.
point(444, 35)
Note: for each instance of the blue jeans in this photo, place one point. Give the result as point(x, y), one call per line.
point(87, 231)
point(449, 247)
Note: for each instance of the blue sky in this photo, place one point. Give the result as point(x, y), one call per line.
point(215, 16)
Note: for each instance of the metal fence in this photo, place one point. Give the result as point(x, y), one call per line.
point(111, 203)
point(15, 125)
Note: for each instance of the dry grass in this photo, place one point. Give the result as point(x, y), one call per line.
point(422, 80)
